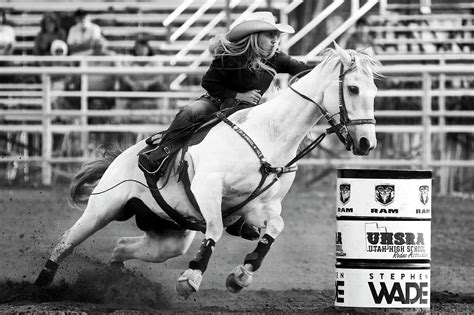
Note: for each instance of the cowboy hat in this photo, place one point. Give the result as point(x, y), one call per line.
point(257, 22)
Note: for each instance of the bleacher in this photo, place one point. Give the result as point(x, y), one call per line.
point(447, 27)
point(123, 22)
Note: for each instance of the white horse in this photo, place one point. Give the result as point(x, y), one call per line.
point(224, 170)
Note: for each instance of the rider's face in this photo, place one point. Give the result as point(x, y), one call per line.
point(269, 41)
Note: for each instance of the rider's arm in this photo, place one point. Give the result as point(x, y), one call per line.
point(283, 63)
point(214, 80)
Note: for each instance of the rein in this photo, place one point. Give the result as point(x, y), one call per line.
point(340, 129)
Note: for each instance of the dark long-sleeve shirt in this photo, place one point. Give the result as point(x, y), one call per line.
point(228, 75)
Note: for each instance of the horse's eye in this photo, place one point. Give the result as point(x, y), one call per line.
point(353, 89)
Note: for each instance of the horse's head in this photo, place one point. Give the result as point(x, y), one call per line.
point(353, 93)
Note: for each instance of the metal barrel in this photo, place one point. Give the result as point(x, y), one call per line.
point(383, 240)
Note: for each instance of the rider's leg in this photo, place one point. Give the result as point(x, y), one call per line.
point(152, 160)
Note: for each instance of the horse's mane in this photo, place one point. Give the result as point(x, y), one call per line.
point(364, 62)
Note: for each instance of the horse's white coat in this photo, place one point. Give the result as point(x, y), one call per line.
point(224, 170)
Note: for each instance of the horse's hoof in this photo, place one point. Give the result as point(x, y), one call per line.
point(232, 285)
point(46, 275)
point(189, 282)
point(184, 289)
point(238, 279)
point(44, 278)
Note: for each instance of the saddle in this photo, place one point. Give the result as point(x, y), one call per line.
point(195, 136)
point(189, 136)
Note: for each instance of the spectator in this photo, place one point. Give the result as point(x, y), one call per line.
point(424, 37)
point(50, 31)
point(58, 48)
point(143, 82)
point(98, 82)
point(7, 36)
point(98, 47)
point(101, 82)
point(83, 33)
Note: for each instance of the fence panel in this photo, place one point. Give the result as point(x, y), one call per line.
point(439, 136)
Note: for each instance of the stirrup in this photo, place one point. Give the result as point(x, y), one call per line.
point(163, 160)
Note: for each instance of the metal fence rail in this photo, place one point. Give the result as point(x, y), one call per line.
point(38, 117)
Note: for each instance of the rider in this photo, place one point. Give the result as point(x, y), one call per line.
point(246, 59)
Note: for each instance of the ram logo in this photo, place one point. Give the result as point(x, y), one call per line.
point(344, 193)
point(424, 194)
point(384, 194)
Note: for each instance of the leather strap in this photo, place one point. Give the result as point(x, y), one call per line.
point(189, 223)
point(265, 168)
point(263, 161)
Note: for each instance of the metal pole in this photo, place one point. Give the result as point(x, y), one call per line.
point(383, 7)
point(47, 147)
point(84, 89)
point(444, 171)
point(227, 14)
point(354, 6)
point(426, 121)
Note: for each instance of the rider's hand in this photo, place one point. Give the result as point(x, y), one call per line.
point(252, 96)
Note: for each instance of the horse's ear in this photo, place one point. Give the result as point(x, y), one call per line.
point(344, 55)
point(369, 51)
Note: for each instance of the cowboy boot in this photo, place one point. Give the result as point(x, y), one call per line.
point(151, 161)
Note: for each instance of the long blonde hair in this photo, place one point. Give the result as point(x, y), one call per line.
point(248, 46)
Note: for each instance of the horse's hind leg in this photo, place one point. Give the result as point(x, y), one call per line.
point(153, 247)
point(98, 213)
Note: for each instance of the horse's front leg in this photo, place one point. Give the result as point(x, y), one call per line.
point(207, 189)
point(242, 275)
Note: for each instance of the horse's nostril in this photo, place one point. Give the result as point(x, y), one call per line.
point(364, 144)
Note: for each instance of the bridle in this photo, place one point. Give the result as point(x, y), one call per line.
point(340, 129)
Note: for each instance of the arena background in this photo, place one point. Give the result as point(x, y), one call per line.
point(55, 111)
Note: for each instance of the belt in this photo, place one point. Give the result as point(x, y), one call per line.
point(214, 100)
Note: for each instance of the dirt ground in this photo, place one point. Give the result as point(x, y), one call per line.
point(297, 275)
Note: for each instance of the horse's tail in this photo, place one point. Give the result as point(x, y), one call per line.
point(85, 180)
